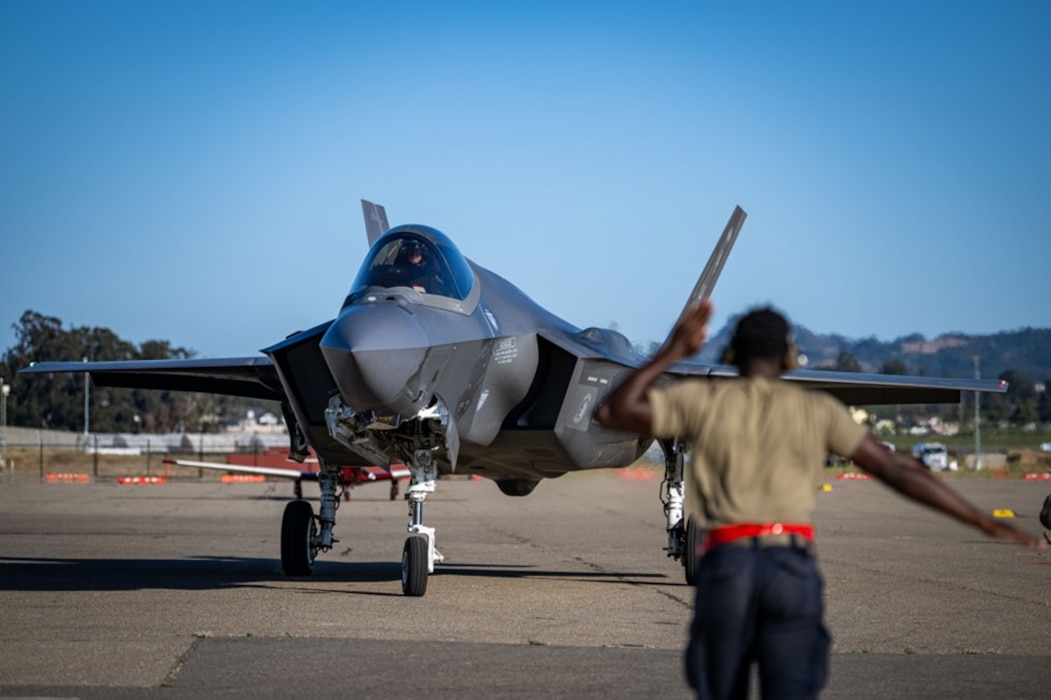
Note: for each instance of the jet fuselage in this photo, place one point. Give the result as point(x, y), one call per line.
point(511, 403)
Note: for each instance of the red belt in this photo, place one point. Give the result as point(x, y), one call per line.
point(728, 533)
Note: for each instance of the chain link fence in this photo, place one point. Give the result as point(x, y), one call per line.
point(28, 455)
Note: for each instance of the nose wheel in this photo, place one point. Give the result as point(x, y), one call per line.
point(419, 555)
point(414, 568)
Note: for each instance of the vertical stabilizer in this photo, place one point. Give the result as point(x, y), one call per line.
point(710, 275)
point(375, 220)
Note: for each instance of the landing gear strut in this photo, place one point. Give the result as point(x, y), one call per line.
point(419, 554)
point(303, 534)
point(683, 534)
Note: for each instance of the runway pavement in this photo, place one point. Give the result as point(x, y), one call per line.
point(175, 591)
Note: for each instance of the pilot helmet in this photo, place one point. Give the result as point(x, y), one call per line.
point(411, 246)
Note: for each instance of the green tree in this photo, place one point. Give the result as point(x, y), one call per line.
point(1043, 404)
point(1021, 397)
point(895, 366)
point(57, 401)
point(846, 362)
point(48, 402)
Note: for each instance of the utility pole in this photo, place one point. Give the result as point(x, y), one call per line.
point(87, 405)
point(977, 419)
point(5, 389)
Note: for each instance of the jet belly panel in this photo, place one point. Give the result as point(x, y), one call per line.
point(588, 444)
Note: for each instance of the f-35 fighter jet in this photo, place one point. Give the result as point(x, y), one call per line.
point(438, 363)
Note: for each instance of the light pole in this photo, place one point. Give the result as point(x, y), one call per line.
point(977, 422)
point(87, 405)
point(5, 389)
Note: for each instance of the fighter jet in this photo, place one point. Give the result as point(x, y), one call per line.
point(438, 363)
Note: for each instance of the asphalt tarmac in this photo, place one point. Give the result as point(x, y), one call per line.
point(175, 591)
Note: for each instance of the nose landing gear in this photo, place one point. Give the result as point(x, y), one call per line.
point(419, 554)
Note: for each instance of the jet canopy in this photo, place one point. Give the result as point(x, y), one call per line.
point(419, 257)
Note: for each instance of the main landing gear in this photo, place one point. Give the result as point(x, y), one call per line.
point(419, 554)
point(298, 538)
point(683, 533)
point(303, 534)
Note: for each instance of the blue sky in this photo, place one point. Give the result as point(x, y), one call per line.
point(191, 171)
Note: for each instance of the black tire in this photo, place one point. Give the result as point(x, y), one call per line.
point(414, 566)
point(689, 556)
point(297, 533)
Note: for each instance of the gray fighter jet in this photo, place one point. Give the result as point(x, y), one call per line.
point(438, 363)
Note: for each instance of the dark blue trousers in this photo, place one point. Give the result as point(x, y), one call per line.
point(761, 605)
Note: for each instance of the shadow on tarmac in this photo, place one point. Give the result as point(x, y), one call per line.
point(213, 573)
point(199, 573)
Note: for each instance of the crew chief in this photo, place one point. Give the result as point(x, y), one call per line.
point(758, 448)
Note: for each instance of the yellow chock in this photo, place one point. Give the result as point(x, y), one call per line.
point(1003, 513)
point(826, 487)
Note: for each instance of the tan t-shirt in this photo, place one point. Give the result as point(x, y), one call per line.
point(758, 446)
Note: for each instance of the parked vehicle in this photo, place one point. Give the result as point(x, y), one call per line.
point(934, 456)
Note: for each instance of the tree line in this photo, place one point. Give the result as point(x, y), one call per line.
point(1022, 403)
point(56, 401)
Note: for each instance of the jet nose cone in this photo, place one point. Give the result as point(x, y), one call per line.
point(374, 353)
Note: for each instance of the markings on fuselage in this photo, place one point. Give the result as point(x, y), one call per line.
point(505, 351)
point(582, 412)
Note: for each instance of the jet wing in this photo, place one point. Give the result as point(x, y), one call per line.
point(281, 472)
point(253, 377)
point(852, 388)
point(374, 473)
point(864, 388)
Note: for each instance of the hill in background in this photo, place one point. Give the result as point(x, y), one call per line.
point(1026, 351)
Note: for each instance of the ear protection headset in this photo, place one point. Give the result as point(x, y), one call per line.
point(790, 361)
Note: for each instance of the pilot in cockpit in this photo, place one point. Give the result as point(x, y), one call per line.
point(422, 274)
point(413, 253)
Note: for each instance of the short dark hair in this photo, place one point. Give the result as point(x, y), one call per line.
point(761, 333)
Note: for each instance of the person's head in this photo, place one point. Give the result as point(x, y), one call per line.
point(413, 253)
point(761, 334)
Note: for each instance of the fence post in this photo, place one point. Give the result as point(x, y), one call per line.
point(40, 436)
point(147, 456)
point(95, 460)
